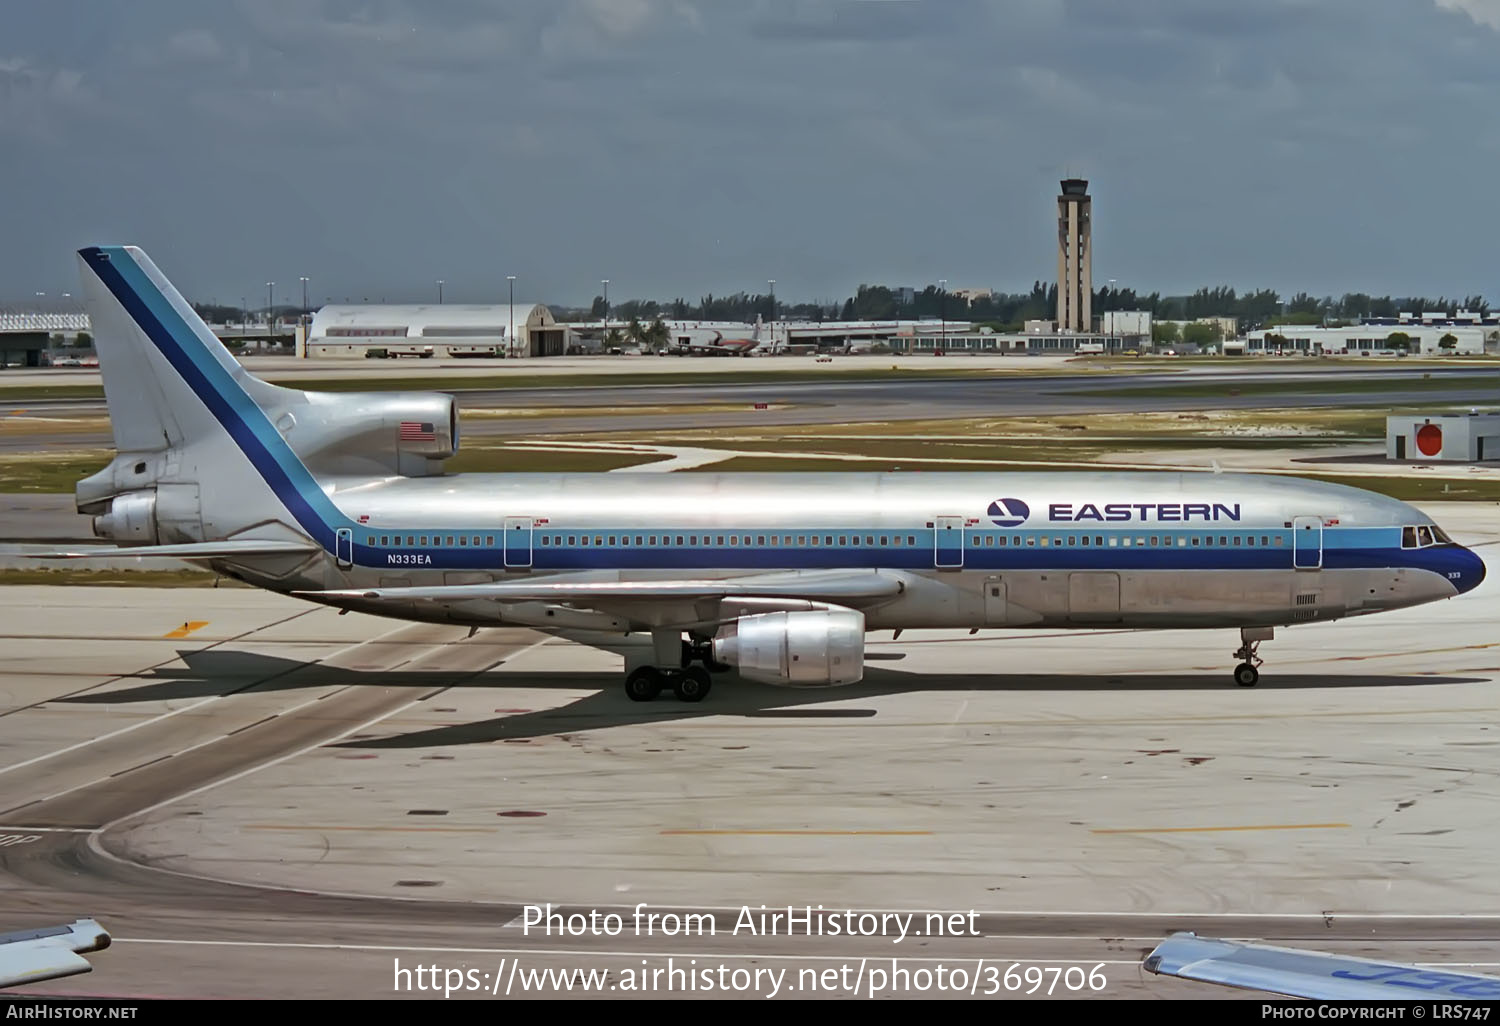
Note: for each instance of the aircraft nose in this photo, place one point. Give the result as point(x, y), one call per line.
point(1471, 571)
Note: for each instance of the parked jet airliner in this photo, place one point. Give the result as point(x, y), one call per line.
point(342, 499)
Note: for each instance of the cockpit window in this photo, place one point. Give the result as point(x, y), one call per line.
point(1424, 536)
point(1408, 537)
point(1441, 536)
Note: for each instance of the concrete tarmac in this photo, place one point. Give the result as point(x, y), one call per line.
point(259, 797)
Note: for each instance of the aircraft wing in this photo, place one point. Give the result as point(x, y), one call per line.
point(192, 550)
point(847, 588)
point(30, 956)
point(1310, 974)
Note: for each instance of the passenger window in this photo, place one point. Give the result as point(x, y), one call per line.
point(545, 539)
point(801, 539)
point(463, 540)
point(1098, 539)
point(1155, 540)
point(885, 539)
point(583, 539)
point(611, 539)
point(747, 539)
point(815, 541)
point(1072, 540)
point(1264, 541)
point(720, 541)
point(1113, 541)
point(572, 539)
point(1181, 541)
point(476, 540)
point(1031, 541)
point(775, 540)
point(828, 539)
point(638, 540)
point(489, 540)
point(598, 539)
point(1195, 539)
point(409, 540)
point(734, 539)
point(760, 539)
point(369, 539)
point(869, 539)
point(423, 540)
point(911, 539)
point(843, 540)
point(1223, 540)
point(1236, 539)
point(679, 539)
point(650, 540)
point(1046, 541)
point(1424, 536)
point(385, 539)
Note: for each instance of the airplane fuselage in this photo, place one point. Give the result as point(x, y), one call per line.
point(976, 550)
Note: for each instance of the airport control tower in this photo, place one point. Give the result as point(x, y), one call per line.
point(1075, 276)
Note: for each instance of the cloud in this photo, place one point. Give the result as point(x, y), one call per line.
point(1484, 12)
point(195, 44)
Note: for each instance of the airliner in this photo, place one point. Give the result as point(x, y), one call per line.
point(342, 499)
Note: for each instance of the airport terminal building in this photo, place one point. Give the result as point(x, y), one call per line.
point(437, 329)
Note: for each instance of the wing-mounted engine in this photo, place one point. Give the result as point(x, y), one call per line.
point(822, 648)
point(406, 433)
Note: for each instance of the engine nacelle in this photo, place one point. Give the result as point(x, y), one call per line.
point(813, 649)
point(130, 518)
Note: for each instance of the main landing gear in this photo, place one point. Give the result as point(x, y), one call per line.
point(688, 682)
point(647, 682)
point(1247, 674)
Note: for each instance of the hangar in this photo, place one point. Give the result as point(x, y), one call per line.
point(436, 329)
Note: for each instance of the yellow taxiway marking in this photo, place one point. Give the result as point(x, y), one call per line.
point(392, 829)
point(1215, 829)
point(797, 833)
point(187, 628)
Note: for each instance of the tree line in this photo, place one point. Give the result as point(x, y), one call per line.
point(1010, 310)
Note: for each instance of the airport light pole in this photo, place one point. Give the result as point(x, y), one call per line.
point(244, 315)
point(943, 308)
point(304, 282)
point(270, 305)
point(510, 341)
point(605, 283)
point(440, 292)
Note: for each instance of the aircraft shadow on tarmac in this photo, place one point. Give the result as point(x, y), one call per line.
point(219, 672)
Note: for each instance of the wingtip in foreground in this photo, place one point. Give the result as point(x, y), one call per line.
point(49, 952)
point(1309, 974)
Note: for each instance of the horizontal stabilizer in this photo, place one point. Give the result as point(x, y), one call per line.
point(840, 588)
point(31, 956)
point(193, 550)
point(1310, 974)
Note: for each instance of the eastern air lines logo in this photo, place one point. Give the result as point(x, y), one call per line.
point(1009, 512)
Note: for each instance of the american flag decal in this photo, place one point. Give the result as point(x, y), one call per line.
point(413, 431)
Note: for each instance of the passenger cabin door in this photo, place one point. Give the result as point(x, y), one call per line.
point(343, 548)
point(517, 543)
point(1307, 543)
point(948, 543)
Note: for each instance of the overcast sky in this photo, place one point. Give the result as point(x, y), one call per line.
point(681, 147)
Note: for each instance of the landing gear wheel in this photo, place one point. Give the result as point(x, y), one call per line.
point(1246, 675)
point(643, 684)
point(692, 685)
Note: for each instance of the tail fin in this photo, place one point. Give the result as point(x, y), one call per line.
point(198, 454)
point(155, 353)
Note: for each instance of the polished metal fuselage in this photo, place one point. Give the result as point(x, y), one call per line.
point(1091, 550)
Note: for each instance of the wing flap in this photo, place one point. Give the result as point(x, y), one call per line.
point(1310, 974)
point(193, 550)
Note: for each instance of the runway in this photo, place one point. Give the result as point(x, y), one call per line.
point(912, 396)
point(258, 797)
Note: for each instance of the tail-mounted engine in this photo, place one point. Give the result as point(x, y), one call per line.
point(381, 432)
